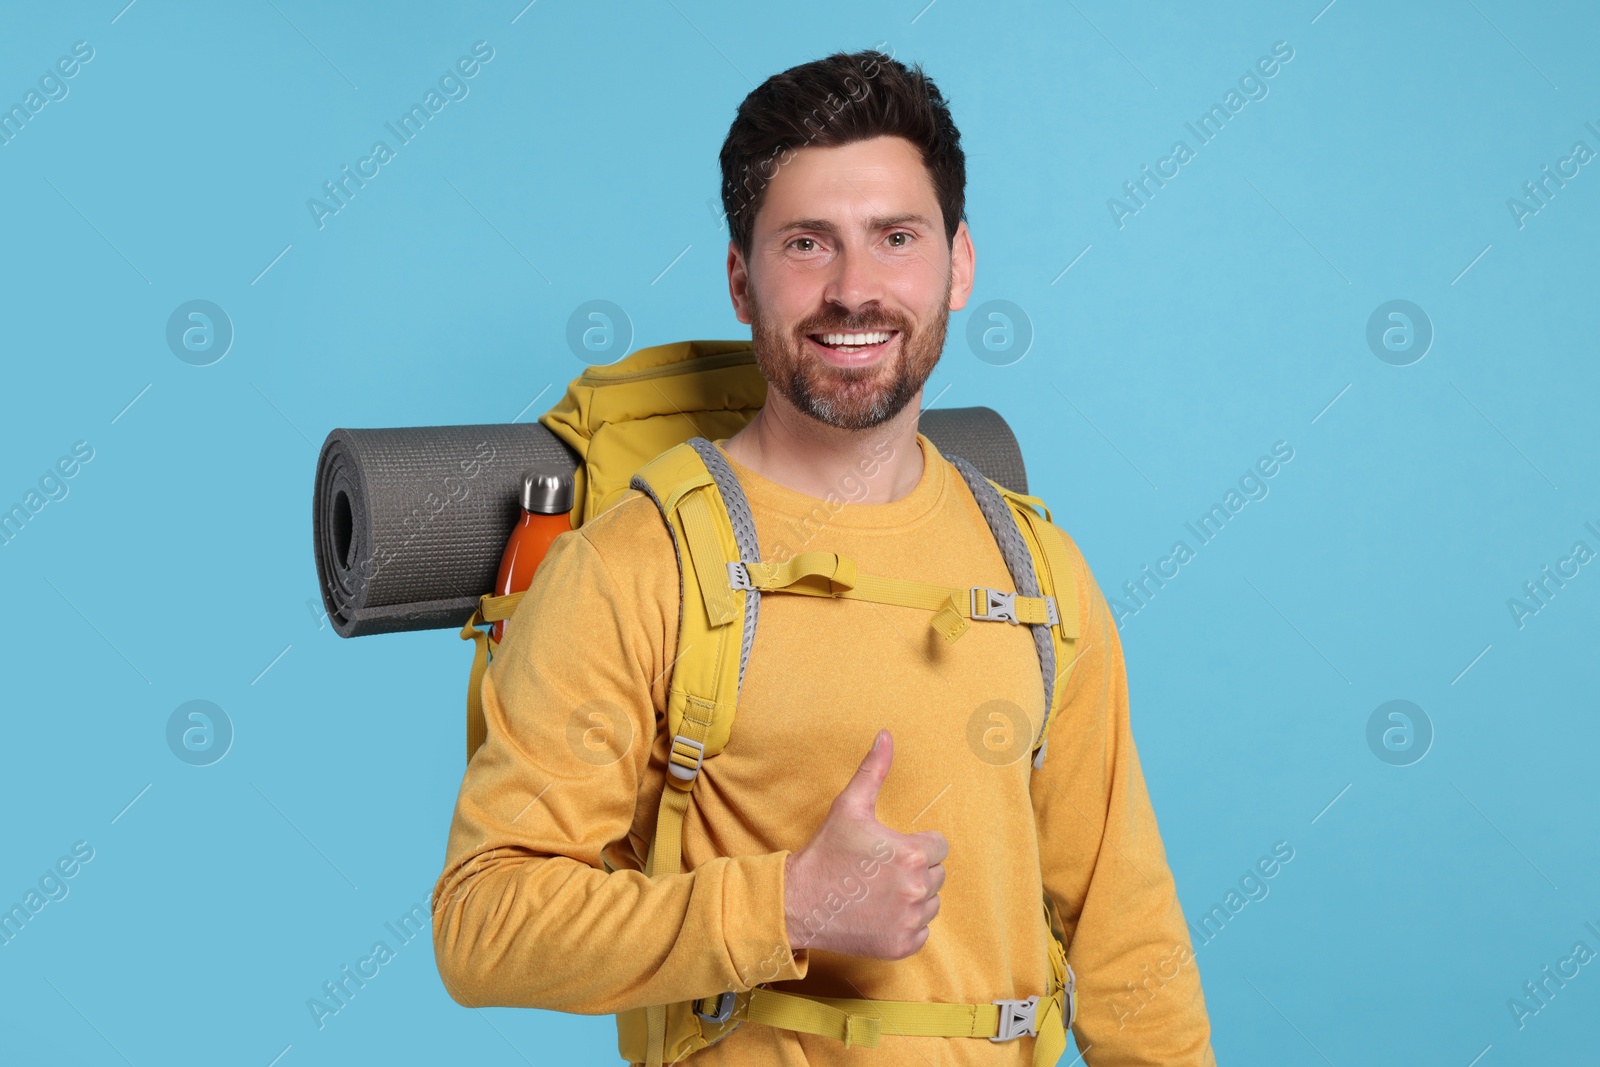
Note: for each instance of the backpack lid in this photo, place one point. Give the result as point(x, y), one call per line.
point(619, 416)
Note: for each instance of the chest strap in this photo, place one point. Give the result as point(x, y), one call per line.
point(832, 575)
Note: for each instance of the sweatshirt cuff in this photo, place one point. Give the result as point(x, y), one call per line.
point(757, 930)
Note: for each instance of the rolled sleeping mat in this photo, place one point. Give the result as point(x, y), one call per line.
point(982, 438)
point(409, 523)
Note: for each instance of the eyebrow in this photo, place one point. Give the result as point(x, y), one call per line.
point(881, 222)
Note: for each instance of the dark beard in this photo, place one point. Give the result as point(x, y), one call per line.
point(850, 398)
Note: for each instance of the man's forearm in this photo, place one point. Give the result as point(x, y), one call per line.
point(551, 932)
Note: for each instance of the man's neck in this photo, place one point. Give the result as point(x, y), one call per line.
point(811, 457)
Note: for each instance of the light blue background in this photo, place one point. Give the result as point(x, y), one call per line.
point(1228, 314)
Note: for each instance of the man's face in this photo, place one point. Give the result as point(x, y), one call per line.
point(850, 281)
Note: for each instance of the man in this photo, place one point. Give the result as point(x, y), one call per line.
point(844, 184)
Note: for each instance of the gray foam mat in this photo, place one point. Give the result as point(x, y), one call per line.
point(408, 523)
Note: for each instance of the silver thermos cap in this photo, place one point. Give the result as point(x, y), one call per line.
point(547, 491)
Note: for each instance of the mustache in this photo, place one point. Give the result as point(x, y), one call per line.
point(854, 324)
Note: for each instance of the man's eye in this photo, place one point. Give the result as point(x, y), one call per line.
point(900, 234)
point(800, 241)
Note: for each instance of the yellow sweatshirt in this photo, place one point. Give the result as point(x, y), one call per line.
point(525, 914)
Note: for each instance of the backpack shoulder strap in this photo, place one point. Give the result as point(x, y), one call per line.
point(709, 519)
point(1039, 566)
point(1056, 576)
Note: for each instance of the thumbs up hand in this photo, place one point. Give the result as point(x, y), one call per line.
point(889, 918)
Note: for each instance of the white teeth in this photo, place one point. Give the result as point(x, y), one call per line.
point(875, 338)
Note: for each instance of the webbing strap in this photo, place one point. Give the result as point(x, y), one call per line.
point(1032, 501)
point(811, 1015)
point(832, 575)
point(665, 857)
point(490, 609)
point(655, 1035)
point(863, 1022)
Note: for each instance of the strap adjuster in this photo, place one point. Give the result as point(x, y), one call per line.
point(724, 1009)
point(991, 605)
point(739, 575)
point(678, 770)
point(994, 605)
point(1017, 1017)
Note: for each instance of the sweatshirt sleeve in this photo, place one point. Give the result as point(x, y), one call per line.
point(1105, 870)
point(525, 914)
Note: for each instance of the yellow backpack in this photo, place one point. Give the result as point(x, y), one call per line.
point(646, 422)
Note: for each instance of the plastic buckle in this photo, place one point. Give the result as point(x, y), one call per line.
point(1052, 616)
point(1017, 1018)
point(724, 1009)
point(685, 773)
point(991, 605)
point(739, 575)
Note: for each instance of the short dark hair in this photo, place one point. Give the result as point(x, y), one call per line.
point(837, 100)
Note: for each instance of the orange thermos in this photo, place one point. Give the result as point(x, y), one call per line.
point(546, 512)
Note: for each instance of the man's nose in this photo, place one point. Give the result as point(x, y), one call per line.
point(855, 280)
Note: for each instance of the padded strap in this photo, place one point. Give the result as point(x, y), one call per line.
point(1004, 525)
point(699, 528)
point(700, 511)
point(1055, 573)
point(743, 522)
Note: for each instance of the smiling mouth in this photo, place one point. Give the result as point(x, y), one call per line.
point(853, 341)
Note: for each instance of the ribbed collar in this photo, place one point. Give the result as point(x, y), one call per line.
point(842, 510)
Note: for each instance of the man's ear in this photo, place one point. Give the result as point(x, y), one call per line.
point(738, 282)
point(963, 266)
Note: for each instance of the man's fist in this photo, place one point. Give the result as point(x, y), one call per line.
point(858, 887)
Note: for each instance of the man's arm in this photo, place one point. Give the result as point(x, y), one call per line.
point(524, 915)
point(1139, 997)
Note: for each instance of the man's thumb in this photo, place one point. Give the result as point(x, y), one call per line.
point(862, 790)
